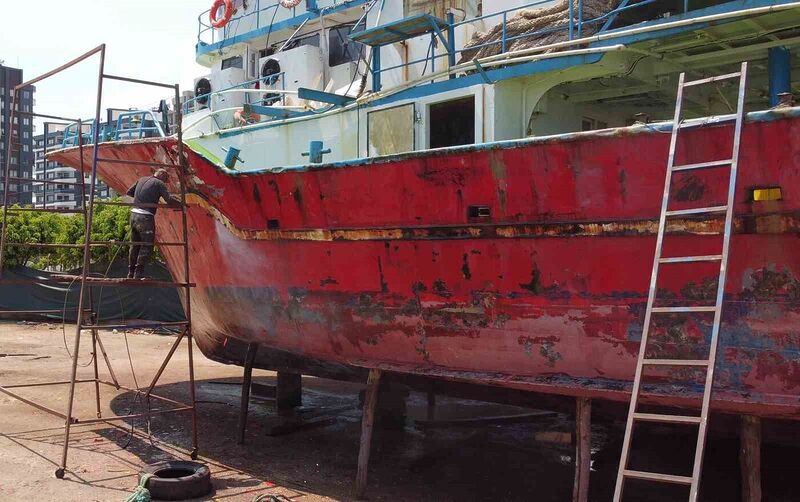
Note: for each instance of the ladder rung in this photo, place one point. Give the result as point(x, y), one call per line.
point(136, 204)
point(697, 210)
point(44, 245)
point(702, 165)
point(46, 182)
point(667, 419)
point(674, 310)
point(43, 210)
point(675, 362)
point(42, 312)
point(136, 243)
point(689, 259)
point(136, 325)
point(655, 476)
point(708, 80)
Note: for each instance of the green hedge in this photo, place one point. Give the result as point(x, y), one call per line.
point(110, 224)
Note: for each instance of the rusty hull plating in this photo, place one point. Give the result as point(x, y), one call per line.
point(383, 264)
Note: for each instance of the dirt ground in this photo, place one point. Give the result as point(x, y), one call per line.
point(522, 461)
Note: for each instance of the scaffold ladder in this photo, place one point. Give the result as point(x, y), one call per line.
point(86, 319)
point(634, 416)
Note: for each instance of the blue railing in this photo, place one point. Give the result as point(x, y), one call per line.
point(133, 124)
point(71, 134)
point(136, 125)
point(267, 85)
point(209, 32)
point(574, 27)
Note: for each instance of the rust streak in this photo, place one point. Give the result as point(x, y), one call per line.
point(642, 227)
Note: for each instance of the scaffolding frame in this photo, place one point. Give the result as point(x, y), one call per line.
point(86, 319)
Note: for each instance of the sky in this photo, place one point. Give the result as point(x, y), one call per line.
point(146, 39)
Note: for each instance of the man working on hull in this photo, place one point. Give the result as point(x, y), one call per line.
point(148, 190)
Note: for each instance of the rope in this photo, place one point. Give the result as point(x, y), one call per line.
point(537, 23)
point(64, 323)
point(141, 494)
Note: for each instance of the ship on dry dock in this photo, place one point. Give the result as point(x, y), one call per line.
point(471, 191)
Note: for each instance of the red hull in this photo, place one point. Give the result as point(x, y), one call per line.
point(378, 264)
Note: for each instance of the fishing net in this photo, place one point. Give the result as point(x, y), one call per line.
point(552, 22)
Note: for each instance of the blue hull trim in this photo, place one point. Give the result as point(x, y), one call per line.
point(655, 128)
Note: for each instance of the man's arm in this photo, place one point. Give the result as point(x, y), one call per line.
point(132, 190)
point(164, 193)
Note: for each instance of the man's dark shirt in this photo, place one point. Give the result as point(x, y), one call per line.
point(149, 190)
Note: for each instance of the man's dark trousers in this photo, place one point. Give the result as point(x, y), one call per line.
point(143, 229)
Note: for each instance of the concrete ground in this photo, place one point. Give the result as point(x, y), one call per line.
point(523, 461)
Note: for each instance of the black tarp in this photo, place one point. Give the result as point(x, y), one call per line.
point(109, 302)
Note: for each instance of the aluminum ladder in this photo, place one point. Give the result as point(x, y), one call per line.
point(624, 473)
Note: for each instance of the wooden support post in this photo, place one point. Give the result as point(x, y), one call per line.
point(252, 349)
point(367, 421)
point(750, 458)
point(289, 391)
point(583, 449)
point(431, 405)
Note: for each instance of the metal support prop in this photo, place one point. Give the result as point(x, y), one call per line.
point(44, 163)
point(108, 362)
point(164, 364)
point(451, 41)
point(571, 19)
point(187, 291)
point(780, 73)
point(86, 264)
point(247, 379)
point(6, 176)
point(367, 423)
point(504, 35)
point(96, 373)
point(376, 68)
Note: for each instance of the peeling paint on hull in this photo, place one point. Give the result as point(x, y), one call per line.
point(547, 294)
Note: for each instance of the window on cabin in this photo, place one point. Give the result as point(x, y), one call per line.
point(452, 123)
point(234, 62)
point(341, 49)
point(439, 8)
point(391, 130)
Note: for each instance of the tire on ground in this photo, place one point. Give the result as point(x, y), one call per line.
point(178, 480)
